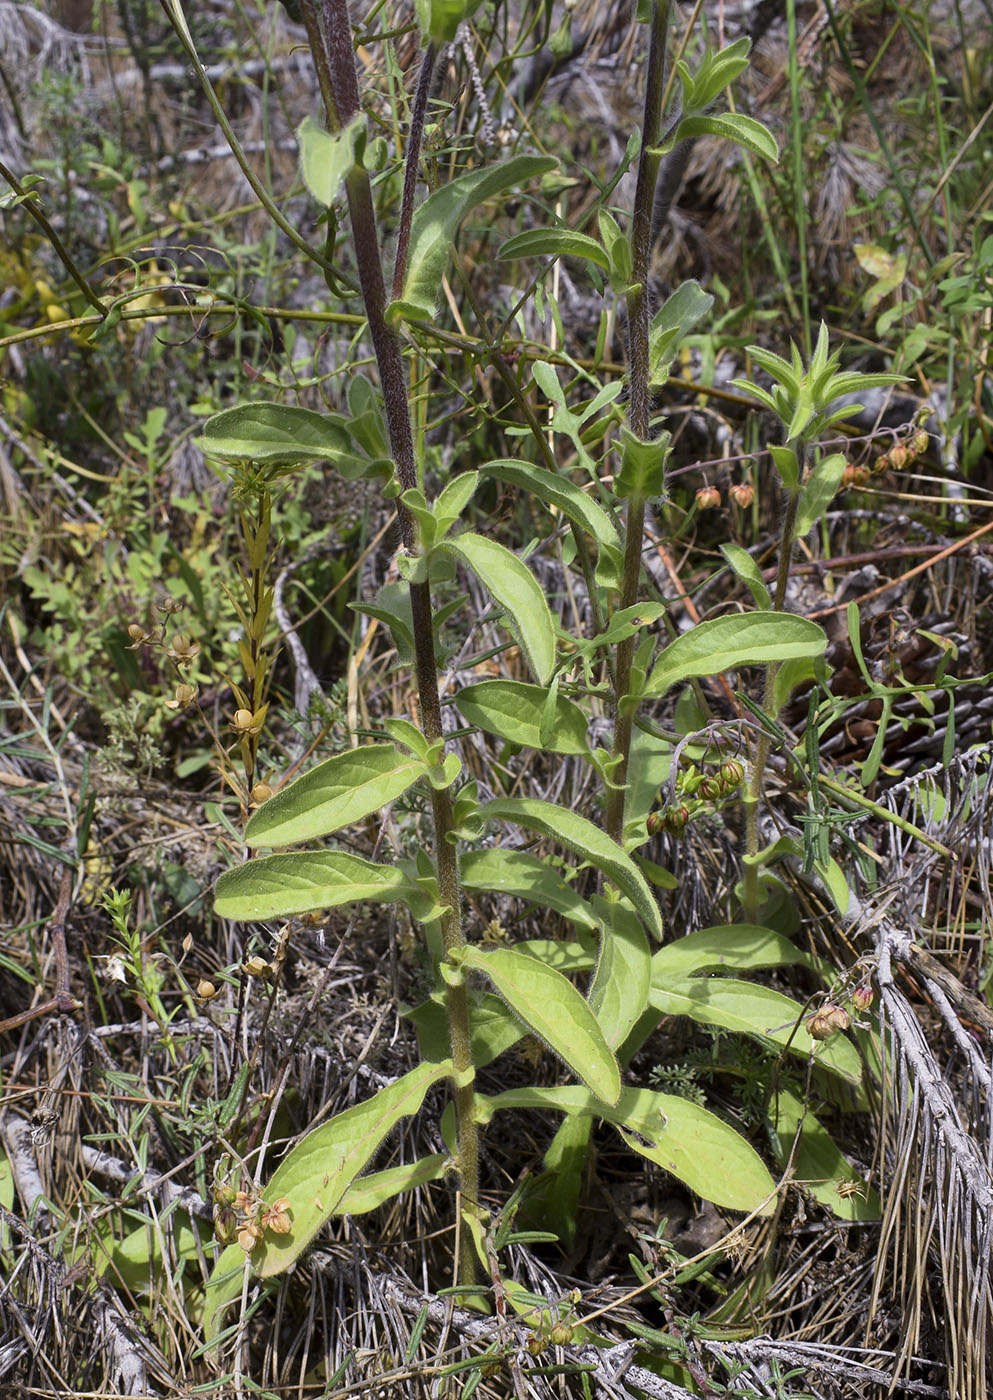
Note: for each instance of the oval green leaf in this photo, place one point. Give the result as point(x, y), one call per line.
point(752, 1009)
point(501, 871)
point(513, 711)
point(436, 221)
point(342, 790)
point(558, 491)
point(690, 1142)
point(579, 835)
point(274, 887)
point(750, 639)
point(518, 592)
point(554, 1011)
point(274, 434)
point(554, 242)
point(315, 1175)
point(622, 980)
point(737, 946)
point(732, 126)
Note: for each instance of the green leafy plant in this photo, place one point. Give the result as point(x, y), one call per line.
point(595, 1035)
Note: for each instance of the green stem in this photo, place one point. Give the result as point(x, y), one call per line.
point(32, 207)
point(639, 408)
point(389, 358)
point(753, 794)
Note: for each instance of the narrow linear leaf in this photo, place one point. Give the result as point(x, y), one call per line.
point(518, 592)
point(342, 790)
point(752, 639)
point(514, 711)
point(578, 834)
point(315, 1174)
point(298, 882)
point(552, 1009)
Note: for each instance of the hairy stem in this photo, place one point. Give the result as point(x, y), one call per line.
point(389, 358)
point(639, 409)
point(412, 161)
point(754, 793)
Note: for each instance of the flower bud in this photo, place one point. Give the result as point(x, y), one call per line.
point(711, 788)
point(674, 819)
point(862, 997)
point(561, 1334)
point(732, 774)
point(708, 498)
point(225, 1225)
point(654, 823)
point(921, 441)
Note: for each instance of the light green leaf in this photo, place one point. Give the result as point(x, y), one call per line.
point(733, 126)
point(513, 710)
point(556, 242)
point(552, 1009)
point(223, 1287)
point(619, 991)
point(690, 1142)
point(820, 1166)
point(326, 157)
point(342, 790)
point(492, 1027)
point(792, 674)
point(817, 493)
point(439, 19)
point(751, 639)
point(578, 834)
point(737, 946)
point(275, 435)
point(642, 470)
point(675, 318)
point(436, 222)
point(518, 592)
point(749, 572)
point(558, 491)
point(274, 887)
point(370, 1192)
point(315, 1174)
point(501, 871)
point(752, 1009)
